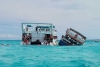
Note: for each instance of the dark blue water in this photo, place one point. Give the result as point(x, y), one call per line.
point(16, 55)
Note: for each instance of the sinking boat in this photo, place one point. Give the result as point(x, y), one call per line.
point(72, 37)
point(39, 34)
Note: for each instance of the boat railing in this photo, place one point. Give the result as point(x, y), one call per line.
point(45, 32)
point(41, 32)
point(66, 40)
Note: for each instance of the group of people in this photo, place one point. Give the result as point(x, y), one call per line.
point(37, 29)
point(48, 39)
point(26, 38)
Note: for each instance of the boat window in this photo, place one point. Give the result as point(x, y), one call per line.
point(42, 29)
point(48, 29)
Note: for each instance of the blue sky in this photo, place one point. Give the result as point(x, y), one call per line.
point(81, 15)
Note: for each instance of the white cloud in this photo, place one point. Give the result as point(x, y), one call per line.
point(46, 11)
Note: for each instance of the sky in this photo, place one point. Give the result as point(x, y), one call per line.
point(81, 15)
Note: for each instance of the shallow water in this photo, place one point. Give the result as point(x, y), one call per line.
point(16, 55)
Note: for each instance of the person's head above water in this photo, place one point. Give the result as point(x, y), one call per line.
point(5, 45)
point(8, 44)
point(2, 44)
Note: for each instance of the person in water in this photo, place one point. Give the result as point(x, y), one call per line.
point(8, 44)
point(2, 44)
point(5, 45)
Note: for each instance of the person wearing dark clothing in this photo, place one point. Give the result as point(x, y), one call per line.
point(76, 36)
point(36, 28)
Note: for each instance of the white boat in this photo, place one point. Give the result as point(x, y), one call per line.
point(39, 33)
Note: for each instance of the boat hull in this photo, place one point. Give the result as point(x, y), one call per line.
point(35, 43)
point(63, 43)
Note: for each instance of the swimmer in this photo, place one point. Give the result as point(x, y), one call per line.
point(8, 44)
point(2, 44)
point(67, 50)
point(5, 45)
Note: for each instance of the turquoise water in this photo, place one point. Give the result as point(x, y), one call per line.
point(17, 55)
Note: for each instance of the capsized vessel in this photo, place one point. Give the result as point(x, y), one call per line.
point(72, 37)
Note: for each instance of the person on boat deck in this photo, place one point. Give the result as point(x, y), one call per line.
point(45, 37)
point(46, 40)
point(76, 36)
point(48, 43)
point(26, 28)
point(36, 28)
point(62, 36)
point(40, 29)
point(30, 37)
point(51, 38)
point(67, 37)
point(26, 40)
point(46, 30)
point(23, 37)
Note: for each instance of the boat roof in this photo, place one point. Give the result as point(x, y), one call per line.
point(38, 23)
point(45, 26)
point(78, 33)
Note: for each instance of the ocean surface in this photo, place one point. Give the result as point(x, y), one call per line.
point(16, 55)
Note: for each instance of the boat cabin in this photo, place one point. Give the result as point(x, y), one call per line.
point(38, 33)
